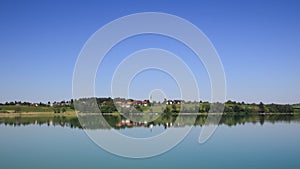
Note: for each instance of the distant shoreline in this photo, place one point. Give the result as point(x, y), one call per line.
point(121, 106)
point(37, 114)
point(74, 114)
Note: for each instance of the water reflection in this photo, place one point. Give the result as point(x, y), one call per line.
point(71, 122)
point(119, 122)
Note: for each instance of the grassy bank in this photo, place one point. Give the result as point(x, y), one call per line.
point(39, 114)
point(35, 111)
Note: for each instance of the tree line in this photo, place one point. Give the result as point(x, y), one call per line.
point(107, 105)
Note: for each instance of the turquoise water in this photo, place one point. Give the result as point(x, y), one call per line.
point(243, 146)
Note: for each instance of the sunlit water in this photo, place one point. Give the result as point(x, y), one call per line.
point(242, 146)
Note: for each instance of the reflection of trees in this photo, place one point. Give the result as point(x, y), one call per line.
point(71, 122)
point(94, 121)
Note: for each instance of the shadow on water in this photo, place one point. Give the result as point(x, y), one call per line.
point(119, 122)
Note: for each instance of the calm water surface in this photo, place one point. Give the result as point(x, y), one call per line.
point(242, 146)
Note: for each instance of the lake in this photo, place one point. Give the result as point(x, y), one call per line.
point(56, 143)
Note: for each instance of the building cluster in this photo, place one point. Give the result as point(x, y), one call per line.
point(128, 104)
point(34, 104)
point(169, 102)
point(61, 103)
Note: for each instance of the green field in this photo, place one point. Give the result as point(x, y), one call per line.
point(26, 109)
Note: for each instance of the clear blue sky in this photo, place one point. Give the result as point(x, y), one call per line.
point(258, 43)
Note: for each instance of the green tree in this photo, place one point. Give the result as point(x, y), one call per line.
point(206, 108)
point(56, 110)
point(261, 107)
point(174, 109)
point(63, 109)
point(236, 108)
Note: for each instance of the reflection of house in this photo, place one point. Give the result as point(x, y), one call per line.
point(129, 123)
point(124, 123)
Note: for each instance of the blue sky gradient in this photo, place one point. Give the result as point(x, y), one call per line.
point(257, 41)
